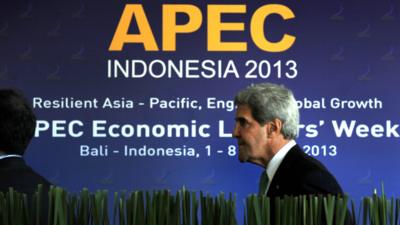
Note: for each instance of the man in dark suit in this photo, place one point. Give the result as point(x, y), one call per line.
point(17, 126)
point(267, 120)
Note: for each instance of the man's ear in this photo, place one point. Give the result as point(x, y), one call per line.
point(275, 126)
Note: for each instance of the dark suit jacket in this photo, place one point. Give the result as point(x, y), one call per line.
point(300, 174)
point(15, 173)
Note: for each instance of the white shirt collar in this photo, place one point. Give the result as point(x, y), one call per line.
point(9, 156)
point(274, 163)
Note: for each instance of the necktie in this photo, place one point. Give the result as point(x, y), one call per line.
point(263, 183)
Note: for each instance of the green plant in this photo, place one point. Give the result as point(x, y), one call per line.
point(378, 210)
point(14, 208)
point(189, 208)
point(218, 210)
point(297, 210)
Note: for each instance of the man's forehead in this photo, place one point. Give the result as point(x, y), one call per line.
point(243, 108)
point(243, 111)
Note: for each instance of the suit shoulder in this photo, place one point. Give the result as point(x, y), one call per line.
point(22, 177)
point(312, 174)
point(302, 161)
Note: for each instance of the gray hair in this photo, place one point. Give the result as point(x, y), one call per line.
point(270, 101)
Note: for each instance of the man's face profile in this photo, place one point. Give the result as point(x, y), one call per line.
point(251, 136)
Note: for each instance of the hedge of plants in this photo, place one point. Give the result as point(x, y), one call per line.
point(58, 207)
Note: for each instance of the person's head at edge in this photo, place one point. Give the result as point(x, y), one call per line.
point(17, 122)
point(267, 117)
